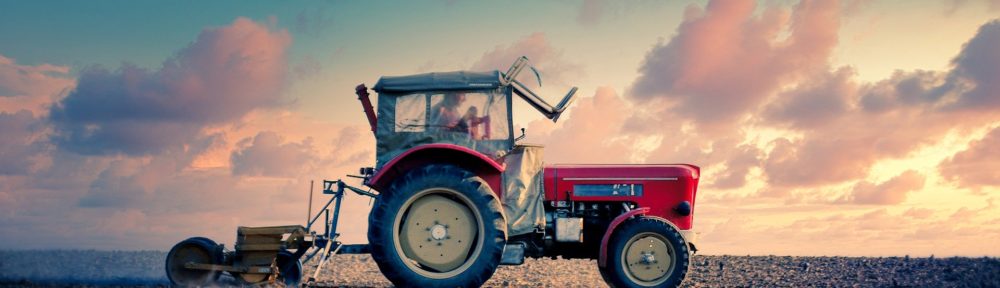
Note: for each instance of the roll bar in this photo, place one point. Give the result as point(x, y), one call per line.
point(553, 113)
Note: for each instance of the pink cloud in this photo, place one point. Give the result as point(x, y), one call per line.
point(977, 165)
point(849, 127)
point(267, 155)
point(729, 67)
point(224, 74)
point(32, 88)
point(547, 59)
point(890, 192)
point(586, 134)
point(21, 143)
point(725, 61)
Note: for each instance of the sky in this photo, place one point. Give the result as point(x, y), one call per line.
point(851, 128)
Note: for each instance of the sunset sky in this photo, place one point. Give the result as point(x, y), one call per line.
point(822, 127)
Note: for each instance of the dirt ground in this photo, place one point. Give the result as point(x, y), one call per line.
point(145, 268)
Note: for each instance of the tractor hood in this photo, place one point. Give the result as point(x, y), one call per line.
point(457, 80)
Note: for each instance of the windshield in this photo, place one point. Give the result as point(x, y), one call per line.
point(479, 120)
point(481, 116)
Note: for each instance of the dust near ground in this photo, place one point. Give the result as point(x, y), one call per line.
point(145, 268)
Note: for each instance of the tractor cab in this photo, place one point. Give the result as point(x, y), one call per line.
point(468, 109)
point(463, 108)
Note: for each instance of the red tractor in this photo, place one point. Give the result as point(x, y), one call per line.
point(458, 196)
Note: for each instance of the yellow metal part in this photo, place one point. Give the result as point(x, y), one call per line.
point(648, 259)
point(438, 232)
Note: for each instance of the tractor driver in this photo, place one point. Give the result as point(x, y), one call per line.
point(447, 113)
point(449, 119)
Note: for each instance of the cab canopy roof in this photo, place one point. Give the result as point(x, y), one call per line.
point(457, 80)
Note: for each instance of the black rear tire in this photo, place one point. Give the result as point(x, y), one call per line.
point(392, 209)
point(619, 272)
point(198, 250)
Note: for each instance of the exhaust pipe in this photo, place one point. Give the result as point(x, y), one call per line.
point(366, 103)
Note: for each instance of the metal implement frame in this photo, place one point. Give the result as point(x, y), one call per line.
point(324, 244)
point(327, 243)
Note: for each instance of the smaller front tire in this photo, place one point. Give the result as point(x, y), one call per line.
point(646, 252)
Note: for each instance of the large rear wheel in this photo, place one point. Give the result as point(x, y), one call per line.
point(199, 250)
point(438, 226)
point(646, 252)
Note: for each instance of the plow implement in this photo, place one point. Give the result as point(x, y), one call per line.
point(266, 255)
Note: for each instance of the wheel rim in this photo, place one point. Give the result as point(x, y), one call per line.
point(188, 254)
point(438, 234)
point(648, 259)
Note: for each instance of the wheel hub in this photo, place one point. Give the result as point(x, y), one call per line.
point(439, 232)
point(640, 258)
point(647, 258)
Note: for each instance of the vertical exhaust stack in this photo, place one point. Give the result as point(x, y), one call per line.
point(366, 103)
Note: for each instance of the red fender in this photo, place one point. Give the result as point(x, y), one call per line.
point(472, 160)
point(603, 258)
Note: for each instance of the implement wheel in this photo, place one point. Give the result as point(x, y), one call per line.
point(646, 252)
point(199, 250)
point(289, 269)
point(438, 226)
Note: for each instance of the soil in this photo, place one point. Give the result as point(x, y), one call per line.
point(145, 268)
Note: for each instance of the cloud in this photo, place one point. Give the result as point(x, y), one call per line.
point(224, 74)
point(733, 70)
point(20, 144)
point(112, 163)
point(979, 63)
point(24, 80)
point(32, 88)
point(130, 181)
point(547, 59)
point(890, 192)
point(738, 165)
point(846, 127)
point(975, 166)
point(814, 102)
point(581, 139)
point(267, 155)
point(725, 61)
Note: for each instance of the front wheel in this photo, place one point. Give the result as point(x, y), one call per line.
point(646, 252)
point(437, 226)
